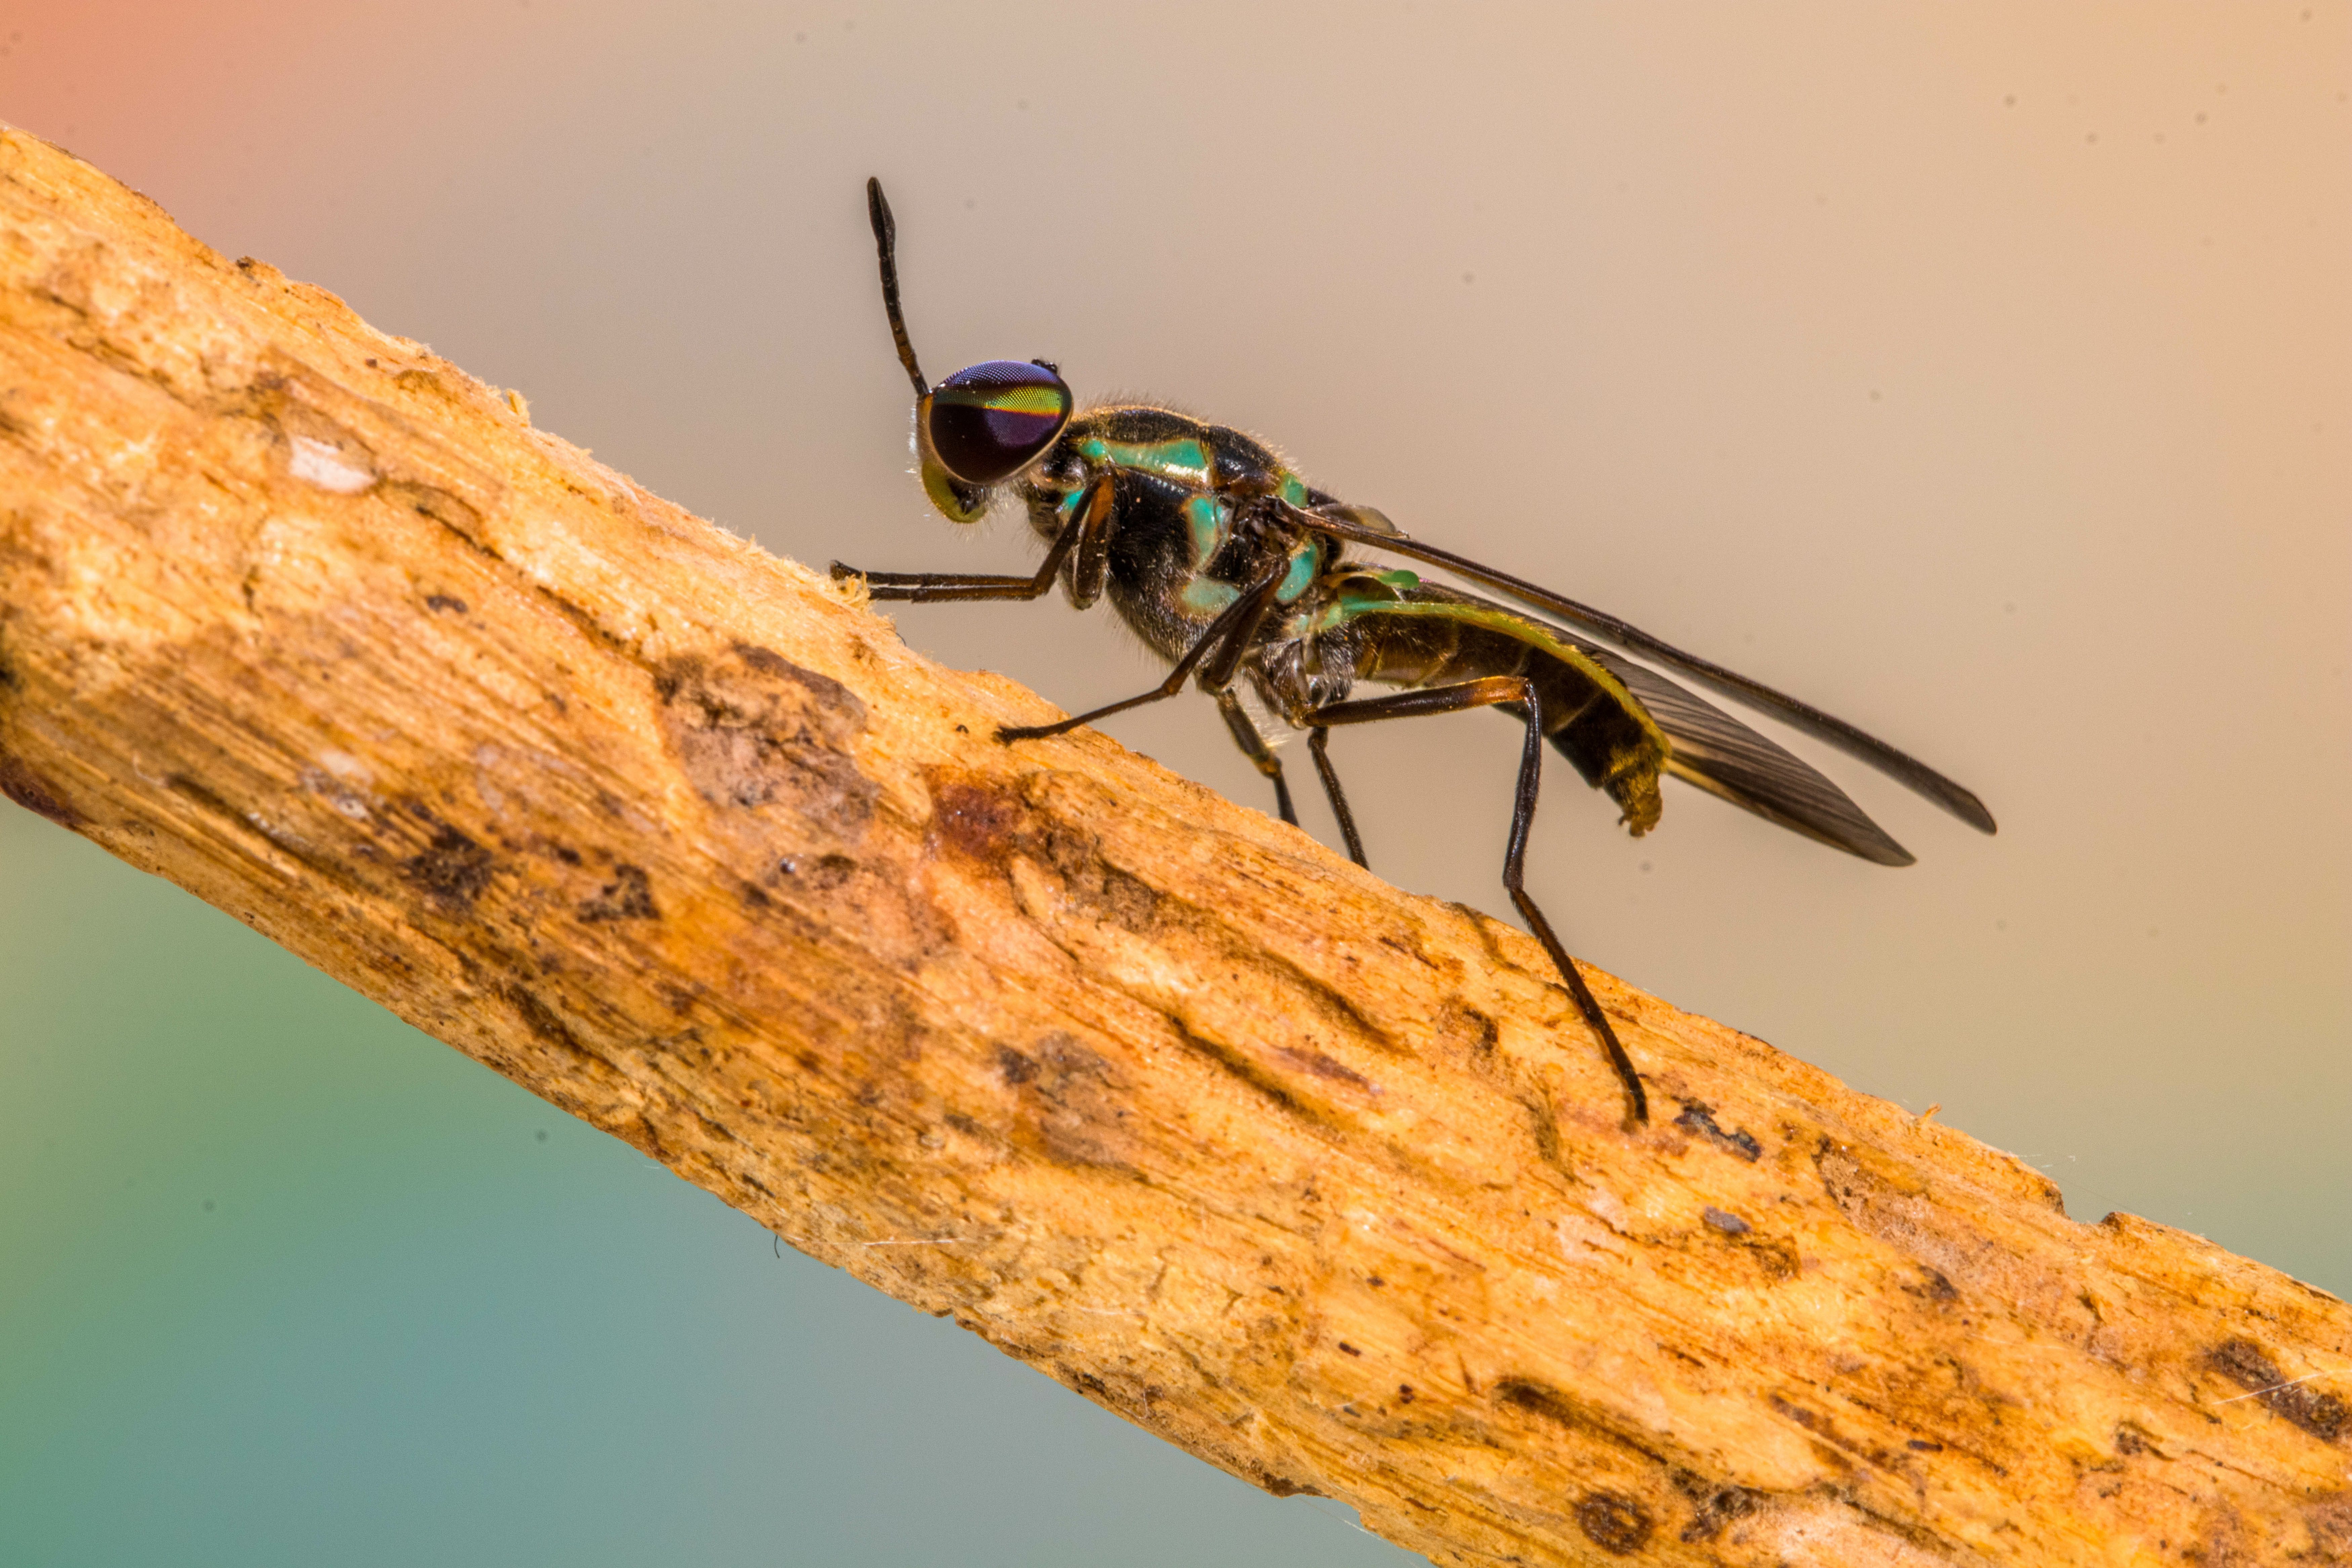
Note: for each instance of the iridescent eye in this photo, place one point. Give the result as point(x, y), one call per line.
point(988, 422)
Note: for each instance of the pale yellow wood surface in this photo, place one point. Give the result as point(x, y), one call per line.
point(1321, 1180)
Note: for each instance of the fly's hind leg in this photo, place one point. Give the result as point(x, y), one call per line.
point(1495, 690)
point(1318, 746)
point(1253, 747)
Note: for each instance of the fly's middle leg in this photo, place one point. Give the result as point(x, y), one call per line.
point(1261, 755)
point(1318, 746)
point(1499, 690)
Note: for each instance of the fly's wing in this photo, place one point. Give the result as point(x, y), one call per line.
point(1338, 522)
point(1725, 757)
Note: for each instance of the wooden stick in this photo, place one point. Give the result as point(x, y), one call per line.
point(1321, 1180)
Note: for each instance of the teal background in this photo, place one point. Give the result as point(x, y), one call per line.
point(1983, 375)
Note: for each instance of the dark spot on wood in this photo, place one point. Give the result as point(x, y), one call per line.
point(1240, 1066)
point(1613, 1522)
point(1542, 1399)
point(568, 856)
point(2130, 1440)
point(1920, 1445)
point(971, 820)
point(1699, 1117)
point(754, 897)
point(1714, 1506)
point(1934, 1287)
point(767, 661)
point(445, 604)
point(2330, 1519)
point(1347, 1349)
point(544, 1022)
point(1076, 855)
point(1375, 1282)
point(1833, 1448)
point(819, 873)
point(2245, 1362)
point(452, 512)
point(1321, 1066)
point(452, 870)
point(751, 729)
point(629, 896)
point(1490, 1033)
point(1073, 1105)
point(1729, 1223)
point(1405, 1394)
point(29, 789)
point(1803, 1418)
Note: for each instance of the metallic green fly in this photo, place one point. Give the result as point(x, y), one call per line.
point(1232, 568)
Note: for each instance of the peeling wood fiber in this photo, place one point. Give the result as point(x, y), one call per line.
point(1320, 1181)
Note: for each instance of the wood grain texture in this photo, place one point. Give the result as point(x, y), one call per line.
point(1321, 1180)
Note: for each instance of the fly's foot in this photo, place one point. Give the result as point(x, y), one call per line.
point(842, 573)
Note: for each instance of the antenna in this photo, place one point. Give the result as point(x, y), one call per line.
point(886, 238)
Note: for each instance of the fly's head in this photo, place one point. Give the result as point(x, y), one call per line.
point(982, 426)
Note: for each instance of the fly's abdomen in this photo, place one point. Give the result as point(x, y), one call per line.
point(1429, 636)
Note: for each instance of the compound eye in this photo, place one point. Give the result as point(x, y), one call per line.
point(988, 422)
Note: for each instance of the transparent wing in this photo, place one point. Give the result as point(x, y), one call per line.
point(1725, 757)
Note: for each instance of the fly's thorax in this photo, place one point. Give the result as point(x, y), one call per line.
point(1218, 458)
point(1196, 516)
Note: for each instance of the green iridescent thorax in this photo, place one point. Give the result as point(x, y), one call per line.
point(1185, 461)
point(1189, 460)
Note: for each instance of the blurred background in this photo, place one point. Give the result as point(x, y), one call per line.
point(1982, 375)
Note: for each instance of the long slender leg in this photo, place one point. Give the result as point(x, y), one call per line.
point(1221, 647)
point(1318, 746)
point(933, 587)
point(1491, 690)
point(1254, 748)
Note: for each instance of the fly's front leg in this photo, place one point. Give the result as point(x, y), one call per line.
point(1253, 747)
point(934, 587)
point(1217, 654)
point(1494, 690)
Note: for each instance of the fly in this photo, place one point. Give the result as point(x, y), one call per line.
point(1234, 568)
